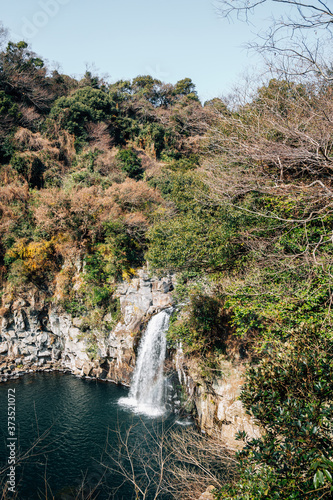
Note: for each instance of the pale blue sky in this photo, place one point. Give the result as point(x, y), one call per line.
point(170, 39)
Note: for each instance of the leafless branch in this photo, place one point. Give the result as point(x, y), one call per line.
point(169, 461)
point(300, 36)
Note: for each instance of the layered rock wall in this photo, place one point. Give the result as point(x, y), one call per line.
point(218, 409)
point(35, 335)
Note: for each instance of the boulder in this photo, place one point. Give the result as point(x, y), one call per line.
point(3, 347)
point(44, 354)
point(208, 494)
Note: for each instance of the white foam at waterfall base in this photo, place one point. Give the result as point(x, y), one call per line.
point(146, 394)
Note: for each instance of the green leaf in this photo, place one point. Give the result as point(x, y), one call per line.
point(328, 475)
point(318, 479)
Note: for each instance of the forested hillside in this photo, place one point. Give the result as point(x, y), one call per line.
point(236, 198)
point(78, 163)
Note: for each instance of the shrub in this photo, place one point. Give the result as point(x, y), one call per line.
point(290, 395)
point(203, 326)
point(184, 164)
point(34, 262)
point(153, 136)
point(130, 163)
point(30, 168)
point(185, 87)
point(8, 108)
point(84, 106)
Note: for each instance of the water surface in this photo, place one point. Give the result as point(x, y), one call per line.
point(79, 416)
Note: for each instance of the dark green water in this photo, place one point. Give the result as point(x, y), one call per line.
point(80, 417)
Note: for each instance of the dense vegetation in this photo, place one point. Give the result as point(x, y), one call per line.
point(96, 178)
point(77, 158)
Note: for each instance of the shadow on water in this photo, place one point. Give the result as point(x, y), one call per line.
point(79, 439)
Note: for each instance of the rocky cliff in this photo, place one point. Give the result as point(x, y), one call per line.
point(218, 409)
point(38, 335)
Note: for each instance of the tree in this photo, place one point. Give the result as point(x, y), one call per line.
point(166, 462)
point(283, 135)
point(271, 159)
point(85, 105)
point(313, 14)
point(89, 80)
point(185, 87)
point(3, 34)
point(23, 76)
point(10, 115)
point(130, 163)
point(299, 36)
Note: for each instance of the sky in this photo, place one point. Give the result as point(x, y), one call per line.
point(169, 40)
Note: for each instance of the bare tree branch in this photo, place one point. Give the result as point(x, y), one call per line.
point(299, 37)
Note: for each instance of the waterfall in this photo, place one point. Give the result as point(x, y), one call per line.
point(147, 389)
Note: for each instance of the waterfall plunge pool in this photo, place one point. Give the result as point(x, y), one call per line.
point(77, 431)
point(79, 417)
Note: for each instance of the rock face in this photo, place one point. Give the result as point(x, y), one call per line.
point(217, 406)
point(208, 494)
point(35, 334)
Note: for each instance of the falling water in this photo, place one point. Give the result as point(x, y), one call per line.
point(147, 389)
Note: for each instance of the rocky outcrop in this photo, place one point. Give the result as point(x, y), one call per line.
point(217, 406)
point(35, 334)
point(208, 494)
